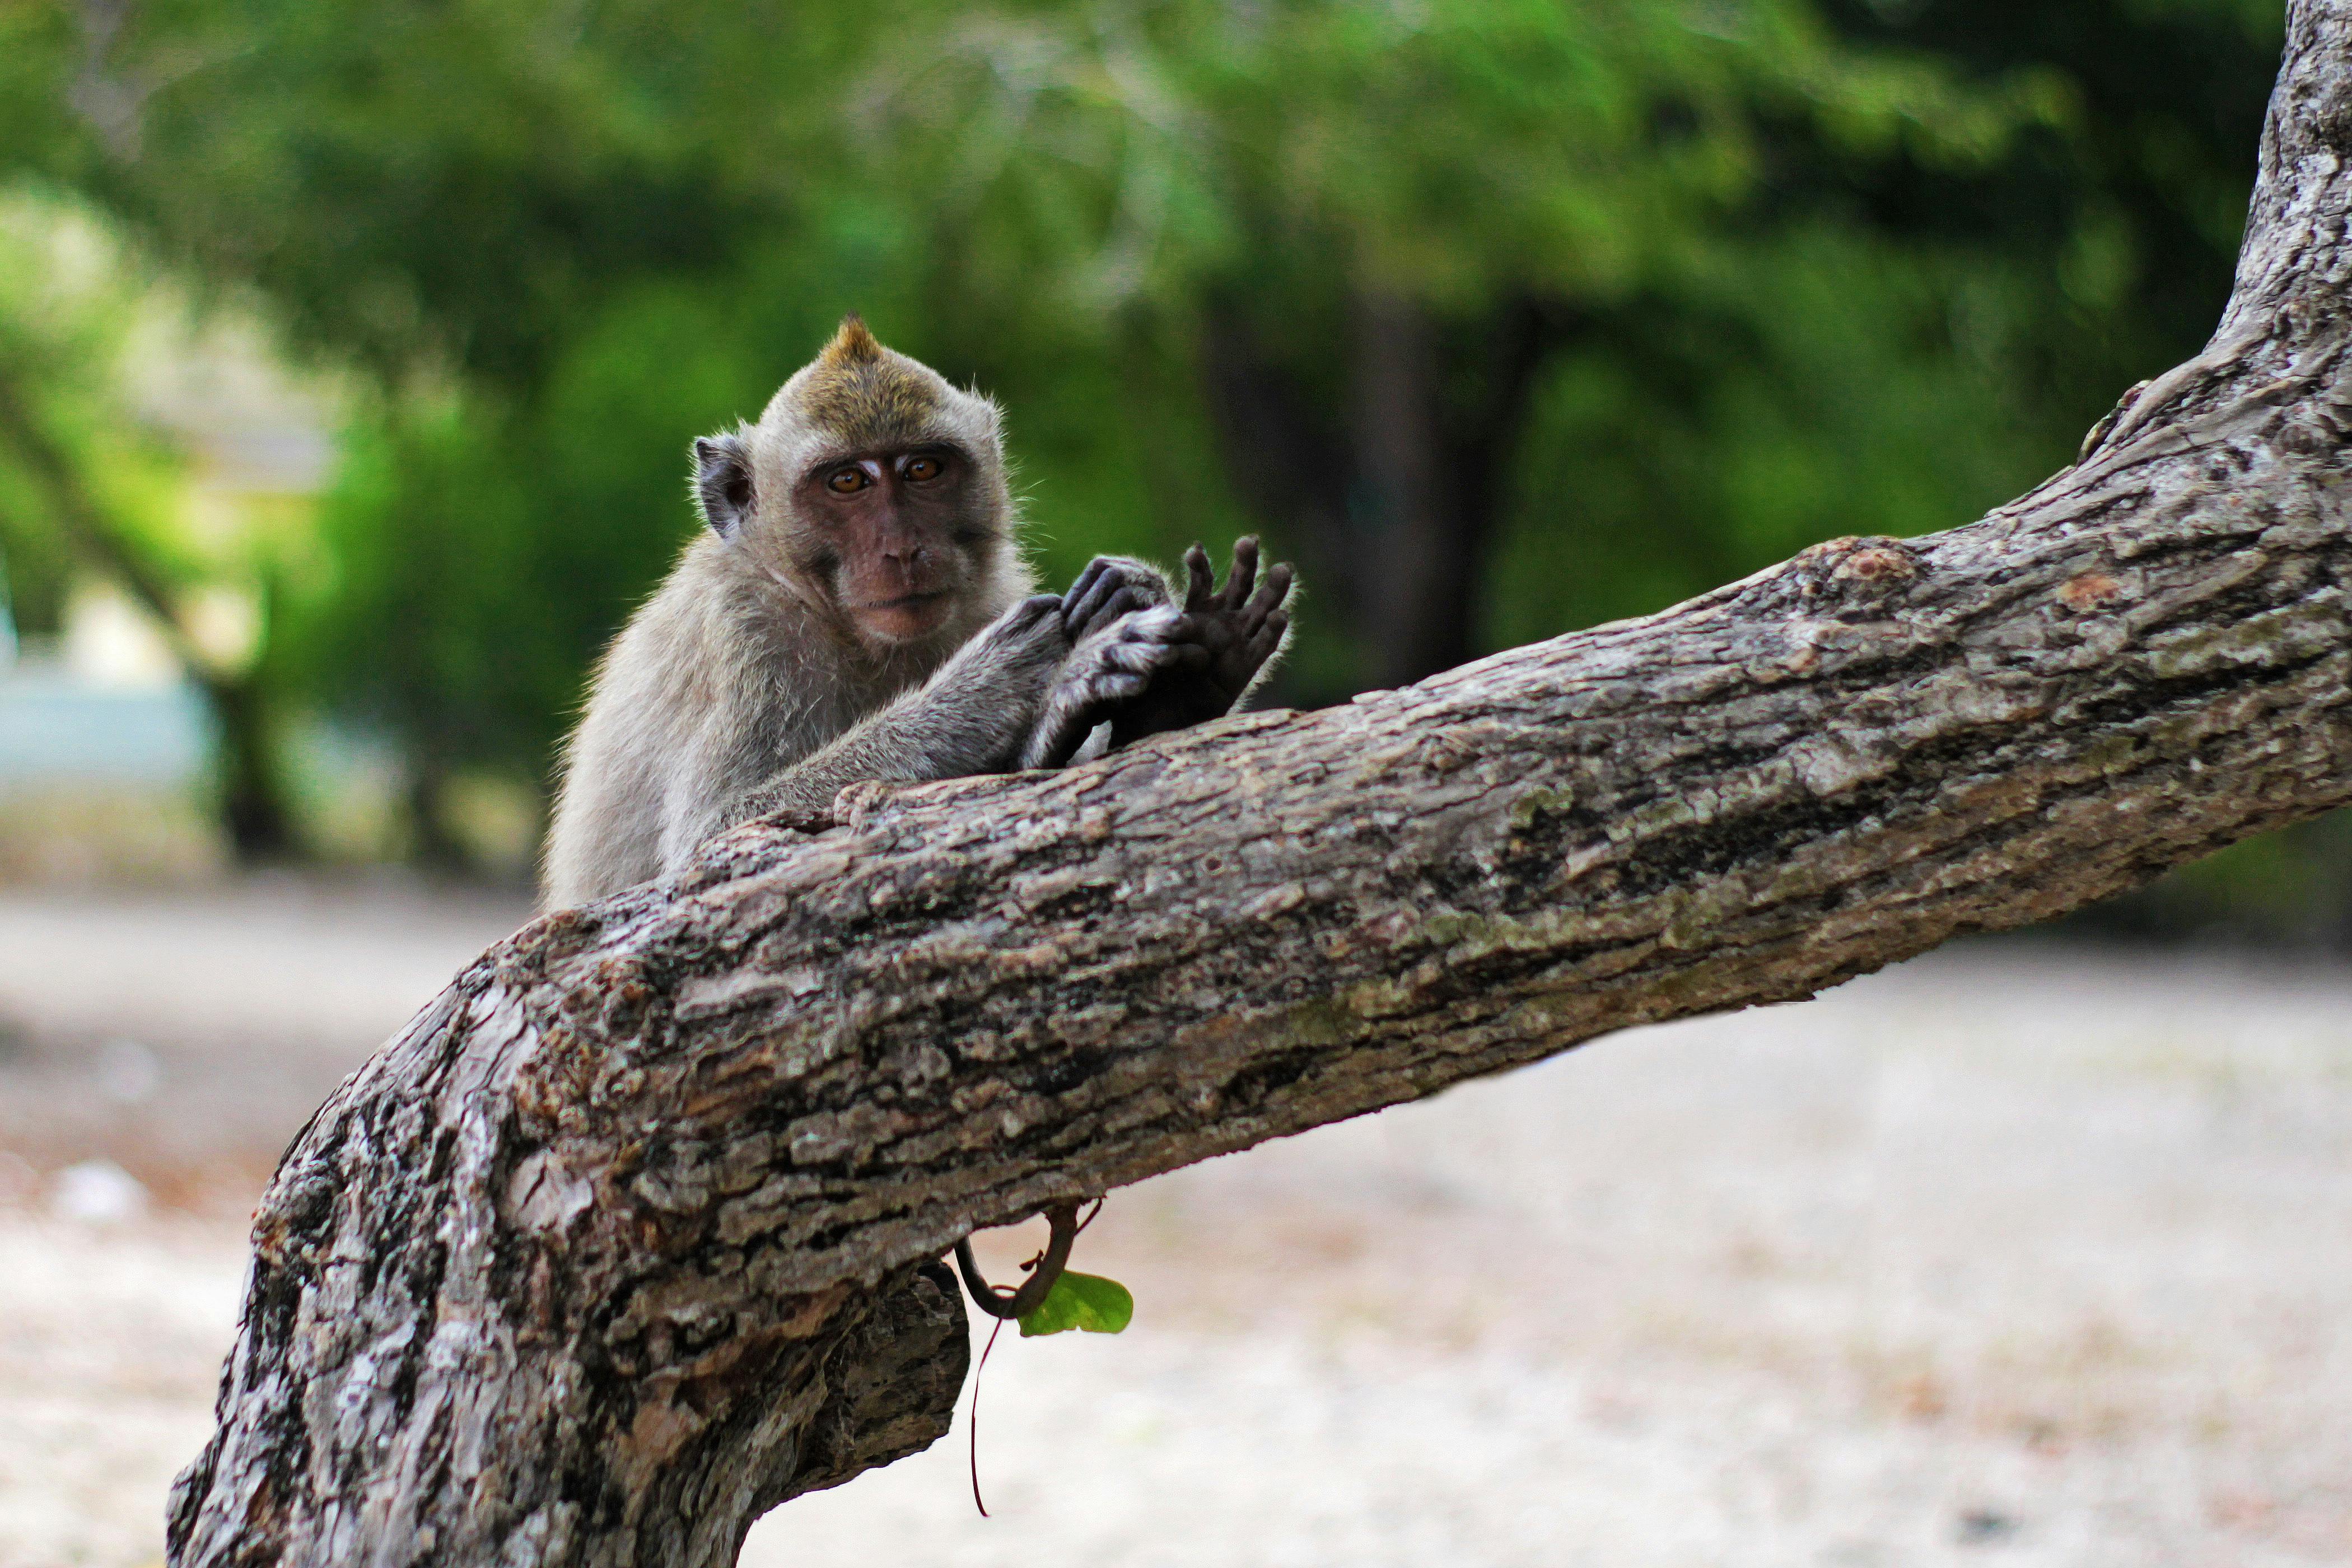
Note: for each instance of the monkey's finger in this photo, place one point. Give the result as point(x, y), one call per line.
point(1105, 603)
point(1153, 623)
point(1127, 601)
point(1077, 590)
point(1117, 686)
point(1134, 658)
point(1150, 657)
point(1033, 609)
point(1213, 639)
point(1200, 591)
point(1123, 605)
point(1261, 644)
point(1128, 596)
point(1207, 630)
point(1269, 596)
point(1095, 584)
point(1245, 572)
point(1267, 638)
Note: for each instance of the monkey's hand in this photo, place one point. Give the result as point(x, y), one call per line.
point(1238, 628)
point(1112, 589)
point(1145, 666)
point(1115, 663)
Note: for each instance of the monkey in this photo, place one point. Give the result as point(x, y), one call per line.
point(856, 536)
point(856, 607)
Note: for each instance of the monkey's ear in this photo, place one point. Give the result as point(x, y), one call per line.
point(723, 483)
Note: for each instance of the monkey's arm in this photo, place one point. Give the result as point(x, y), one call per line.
point(972, 716)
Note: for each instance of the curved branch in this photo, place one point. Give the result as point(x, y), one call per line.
point(628, 1235)
point(1030, 1294)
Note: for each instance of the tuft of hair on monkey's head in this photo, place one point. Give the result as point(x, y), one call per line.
point(874, 492)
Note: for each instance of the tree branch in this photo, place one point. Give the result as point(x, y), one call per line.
point(630, 1234)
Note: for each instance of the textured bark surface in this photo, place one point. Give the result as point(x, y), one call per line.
point(629, 1236)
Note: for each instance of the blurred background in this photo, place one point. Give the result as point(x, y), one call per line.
point(348, 354)
point(348, 357)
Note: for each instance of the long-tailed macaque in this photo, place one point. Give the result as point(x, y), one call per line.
point(859, 609)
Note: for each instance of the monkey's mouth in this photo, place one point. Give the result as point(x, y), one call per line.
point(903, 602)
point(907, 616)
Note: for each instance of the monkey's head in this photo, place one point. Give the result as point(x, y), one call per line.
point(870, 489)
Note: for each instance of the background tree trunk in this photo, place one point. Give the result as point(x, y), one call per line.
point(252, 805)
point(1395, 502)
point(630, 1234)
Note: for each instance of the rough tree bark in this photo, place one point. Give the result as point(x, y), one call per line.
point(630, 1234)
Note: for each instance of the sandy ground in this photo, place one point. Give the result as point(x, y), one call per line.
point(2016, 1254)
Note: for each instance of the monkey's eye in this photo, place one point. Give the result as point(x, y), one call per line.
point(847, 481)
point(920, 469)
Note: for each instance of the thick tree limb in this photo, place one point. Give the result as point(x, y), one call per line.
point(630, 1234)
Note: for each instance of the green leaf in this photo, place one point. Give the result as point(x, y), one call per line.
point(1088, 1301)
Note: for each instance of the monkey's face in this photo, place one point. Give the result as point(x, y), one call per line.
point(893, 538)
point(870, 489)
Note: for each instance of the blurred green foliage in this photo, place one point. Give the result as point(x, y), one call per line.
point(84, 488)
point(1501, 316)
point(68, 297)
